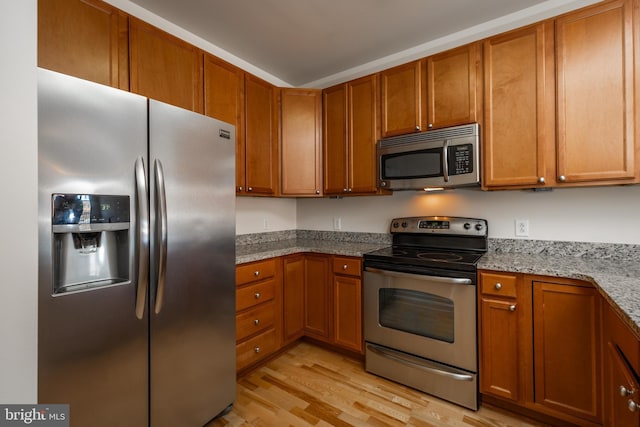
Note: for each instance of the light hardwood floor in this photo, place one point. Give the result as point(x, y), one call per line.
point(311, 386)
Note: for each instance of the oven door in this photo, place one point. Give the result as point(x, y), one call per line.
point(430, 317)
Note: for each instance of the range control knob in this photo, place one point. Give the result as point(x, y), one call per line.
point(404, 224)
point(396, 225)
point(479, 226)
point(467, 226)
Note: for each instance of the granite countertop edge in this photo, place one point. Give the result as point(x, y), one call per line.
point(617, 279)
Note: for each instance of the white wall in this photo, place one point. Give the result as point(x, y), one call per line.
point(607, 214)
point(18, 214)
point(263, 214)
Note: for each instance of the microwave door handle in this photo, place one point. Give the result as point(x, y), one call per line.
point(445, 160)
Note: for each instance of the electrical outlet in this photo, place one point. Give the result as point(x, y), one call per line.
point(337, 223)
point(522, 227)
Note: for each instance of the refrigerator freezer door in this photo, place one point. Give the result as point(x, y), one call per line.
point(192, 364)
point(92, 349)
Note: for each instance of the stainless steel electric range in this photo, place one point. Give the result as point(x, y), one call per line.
point(420, 306)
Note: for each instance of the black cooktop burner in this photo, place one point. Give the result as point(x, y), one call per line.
point(434, 256)
point(432, 245)
point(453, 260)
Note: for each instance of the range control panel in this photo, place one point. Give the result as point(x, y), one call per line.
point(440, 225)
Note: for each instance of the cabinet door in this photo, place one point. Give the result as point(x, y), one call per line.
point(347, 298)
point(567, 349)
point(621, 394)
point(519, 113)
point(293, 298)
point(363, 125)
point(499, 356)
point(453, 87)
point(85, 39)
point(622, 363)
point(335, 144)
point(596, 109)
point(403, 98)
point(317, 296)
point(224, 100)
point(260, 137)
point(165, 68)
point(300, 142)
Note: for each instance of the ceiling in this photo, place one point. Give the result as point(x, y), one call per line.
point(302, 42)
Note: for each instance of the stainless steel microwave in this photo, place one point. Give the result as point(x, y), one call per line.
point(442, 158)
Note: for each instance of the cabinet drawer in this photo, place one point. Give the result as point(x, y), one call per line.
point(251, 295)
point(498, 284)
point(347, 265)
point(248, 273)
point(256, 348)
point(255, 320)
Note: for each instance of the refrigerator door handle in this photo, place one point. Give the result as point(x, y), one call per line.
point(161, 233)
point(142, 249)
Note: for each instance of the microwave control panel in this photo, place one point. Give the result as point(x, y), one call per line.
point(460, 159)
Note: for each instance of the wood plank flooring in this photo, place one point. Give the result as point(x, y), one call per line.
point(311, 386)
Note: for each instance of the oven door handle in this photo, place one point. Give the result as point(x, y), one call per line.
point(422, 365)
point(449, 280)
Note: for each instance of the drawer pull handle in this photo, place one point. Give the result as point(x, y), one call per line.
point(624, 392)
point(257, 295)
point(256, 322)
point(257, 349)
point(512, 307)
point(498, 286)
point(344, 267)
point(256, 273)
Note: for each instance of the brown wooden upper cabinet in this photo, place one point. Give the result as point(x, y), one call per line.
point(224, 100)
point(597, 63)
point(403, 98)
point(563, 113)
point(165, 68)
point(438, 91)
point(300, 142)
point(261, 136)
point(519, 108)
point(454, 87)
point(85, 39)
point(351, 129)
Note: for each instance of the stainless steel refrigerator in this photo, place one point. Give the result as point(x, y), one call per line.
point(136, 236)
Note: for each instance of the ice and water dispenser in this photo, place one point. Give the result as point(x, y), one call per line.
point(90, 235)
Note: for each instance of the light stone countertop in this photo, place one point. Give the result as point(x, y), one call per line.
point(617, 280)
point(612, 268)
point(259, 251)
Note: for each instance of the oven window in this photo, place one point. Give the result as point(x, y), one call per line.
point(416, 312)
point(413, 164)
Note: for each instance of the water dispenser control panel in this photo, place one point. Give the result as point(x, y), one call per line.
point(86, 211)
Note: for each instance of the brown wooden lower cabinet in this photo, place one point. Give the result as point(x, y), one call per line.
point(505, 322)
point(541, 345)
point(258, 311)
point(347, 303)
point(317, 296)
point(281, 300)
point(293, 280)
point(567, 331)
point(621, 374)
